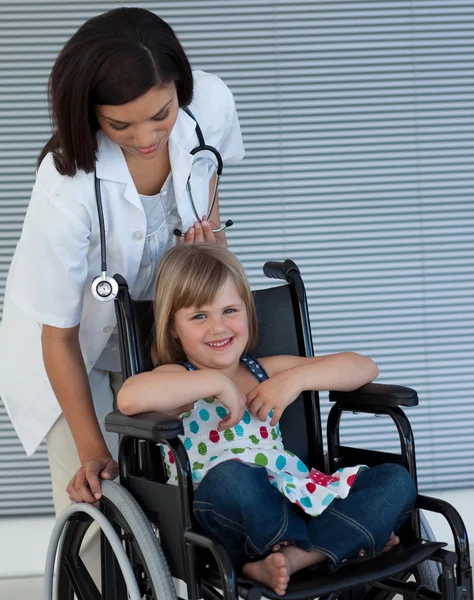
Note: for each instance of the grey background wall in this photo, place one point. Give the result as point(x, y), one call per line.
point(358, 120)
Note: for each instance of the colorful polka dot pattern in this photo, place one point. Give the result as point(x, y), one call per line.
point(258, 443)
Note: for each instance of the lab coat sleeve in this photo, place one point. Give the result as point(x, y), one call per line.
point(231, 145)
point(49, 269)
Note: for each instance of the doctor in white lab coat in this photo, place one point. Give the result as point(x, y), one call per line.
point(117, 92)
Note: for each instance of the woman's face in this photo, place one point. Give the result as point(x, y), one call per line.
point(141, 127)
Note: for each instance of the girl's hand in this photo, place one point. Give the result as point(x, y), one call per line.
point(274, 394)
point(85, 485)
point(202, 232)
point(233, 399)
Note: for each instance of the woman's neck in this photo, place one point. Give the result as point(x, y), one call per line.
point(149, 176)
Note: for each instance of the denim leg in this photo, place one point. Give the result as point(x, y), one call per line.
point(236, 505)
point(380, 500)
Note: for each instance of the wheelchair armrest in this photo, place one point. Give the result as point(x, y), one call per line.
point(151, 426)
point(377, 394)
point(451, 515)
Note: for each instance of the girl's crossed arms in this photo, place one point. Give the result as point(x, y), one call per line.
point(173, 389)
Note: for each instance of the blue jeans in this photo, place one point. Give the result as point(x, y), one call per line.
point(236, 505)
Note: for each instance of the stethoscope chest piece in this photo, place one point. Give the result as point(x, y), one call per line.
point(104, 288)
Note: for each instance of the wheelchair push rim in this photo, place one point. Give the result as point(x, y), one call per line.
point(139, 541)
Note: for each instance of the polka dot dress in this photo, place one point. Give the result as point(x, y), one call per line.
point(258, 443)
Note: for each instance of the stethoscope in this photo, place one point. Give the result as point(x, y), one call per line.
point(104, 287)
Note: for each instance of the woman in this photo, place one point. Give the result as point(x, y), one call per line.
point(116, 91)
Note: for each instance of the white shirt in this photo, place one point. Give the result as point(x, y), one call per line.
point(161, 220)
point(58, 254)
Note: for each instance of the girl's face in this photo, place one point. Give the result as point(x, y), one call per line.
point(141, 127)
point(214, 336)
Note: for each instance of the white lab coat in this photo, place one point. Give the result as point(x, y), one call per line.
point(58, 254)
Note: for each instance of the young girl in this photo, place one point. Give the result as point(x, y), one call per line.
point(273, 514)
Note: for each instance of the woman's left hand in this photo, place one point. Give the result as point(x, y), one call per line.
point(274, 394)
point(203, 232)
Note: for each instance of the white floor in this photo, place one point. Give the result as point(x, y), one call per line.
point(27, 588)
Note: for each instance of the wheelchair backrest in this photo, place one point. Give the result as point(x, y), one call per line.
point(278, 334)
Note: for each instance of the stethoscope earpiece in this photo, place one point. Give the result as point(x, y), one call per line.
point(104, 288)
point(228, 223)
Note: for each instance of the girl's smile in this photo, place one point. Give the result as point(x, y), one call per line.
point(214, 336)
point(221, 344)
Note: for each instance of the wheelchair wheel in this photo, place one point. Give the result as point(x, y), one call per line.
point(140, 542)
point(429, 571)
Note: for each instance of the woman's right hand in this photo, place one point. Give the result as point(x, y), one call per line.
point(233, 399)
point(202, 231)
point(85, 485)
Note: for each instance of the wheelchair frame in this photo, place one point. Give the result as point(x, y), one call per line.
point(188, 551)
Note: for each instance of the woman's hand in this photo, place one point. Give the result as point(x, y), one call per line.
point(203, 232)
point(85, 485)
point(274, 394)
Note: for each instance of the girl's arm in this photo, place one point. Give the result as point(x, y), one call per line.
point(173, 389)
point(345, 371)
point(291, 375)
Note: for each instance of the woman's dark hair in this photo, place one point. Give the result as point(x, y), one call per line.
point(112, 59)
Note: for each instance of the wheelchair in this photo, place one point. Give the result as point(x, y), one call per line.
point(151, 546)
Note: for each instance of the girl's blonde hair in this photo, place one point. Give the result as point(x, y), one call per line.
point(191, 275)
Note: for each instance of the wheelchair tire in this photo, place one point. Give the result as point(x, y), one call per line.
point(128, 514)
point(142, 547)
point(428, 572)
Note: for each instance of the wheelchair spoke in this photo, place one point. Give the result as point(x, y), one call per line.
point(73, 575)
point(150, 571)
point(81, 581)
point(113, 584)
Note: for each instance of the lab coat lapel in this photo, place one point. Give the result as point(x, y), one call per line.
point(111, 165)
point(180, 144)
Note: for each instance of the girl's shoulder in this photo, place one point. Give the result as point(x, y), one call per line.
point(171, 368)
point(270, 364)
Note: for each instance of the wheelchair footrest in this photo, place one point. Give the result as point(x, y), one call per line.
point(309, 584)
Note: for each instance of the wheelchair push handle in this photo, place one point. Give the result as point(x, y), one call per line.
point(280, 270)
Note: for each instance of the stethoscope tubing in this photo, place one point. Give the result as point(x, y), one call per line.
point(106, 288)
point(214, 198)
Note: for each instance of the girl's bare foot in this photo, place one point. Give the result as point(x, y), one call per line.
point(272, 571)
point(275, 570)
point(393, 541)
